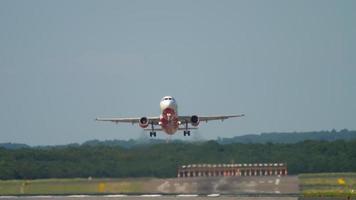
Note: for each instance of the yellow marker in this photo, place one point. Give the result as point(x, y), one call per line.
point(101, 187)
point(341, 181)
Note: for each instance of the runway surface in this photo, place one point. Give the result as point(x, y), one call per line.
point(228, 185)
point(205, 186)
point(143, 197)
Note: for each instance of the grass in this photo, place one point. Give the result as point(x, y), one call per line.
point(70, 186)
point(328, 184)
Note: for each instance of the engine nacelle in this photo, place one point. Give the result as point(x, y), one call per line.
point(194, 120)
point(143, 122)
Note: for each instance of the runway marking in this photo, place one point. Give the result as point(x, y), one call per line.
point(151, 195)
point(164, 187)
point(213, 195)
point(180, 188)
point(277, 181)
point(187, 195)
point(78, 196)
point(116, 195)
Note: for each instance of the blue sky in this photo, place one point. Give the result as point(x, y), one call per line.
point(288, 65)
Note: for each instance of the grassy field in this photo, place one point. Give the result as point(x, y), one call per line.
point(71, 186)
point(328, 184)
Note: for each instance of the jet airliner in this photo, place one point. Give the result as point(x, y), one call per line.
point(169, 120)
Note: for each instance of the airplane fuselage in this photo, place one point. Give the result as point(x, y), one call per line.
point(169, 115)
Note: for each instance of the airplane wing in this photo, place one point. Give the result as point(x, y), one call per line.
point(208, 118)
point(132, 120)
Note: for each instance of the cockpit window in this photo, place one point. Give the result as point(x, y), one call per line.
point(167, 98)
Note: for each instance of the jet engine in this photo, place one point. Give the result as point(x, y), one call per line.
point(194, 120)
point(144, 122)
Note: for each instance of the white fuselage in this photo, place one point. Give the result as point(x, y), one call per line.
point(169, 115)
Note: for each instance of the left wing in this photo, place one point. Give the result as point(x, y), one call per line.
point(132, 120)
point(208, 118)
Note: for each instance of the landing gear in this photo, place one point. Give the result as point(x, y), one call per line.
point(186, 133)
point(153, 132)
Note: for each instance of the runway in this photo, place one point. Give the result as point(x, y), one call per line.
point(143, 197)
point(205, 186)
point(229, 185)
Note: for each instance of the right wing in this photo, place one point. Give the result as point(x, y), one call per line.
point(132, 120)
point(219, 117)
point(208, 118)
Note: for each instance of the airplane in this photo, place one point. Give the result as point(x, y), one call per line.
point(169, 120)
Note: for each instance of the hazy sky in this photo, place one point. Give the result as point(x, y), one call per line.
point(288, 65)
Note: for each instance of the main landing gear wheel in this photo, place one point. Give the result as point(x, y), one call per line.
point(153, 134)
point(186, 133)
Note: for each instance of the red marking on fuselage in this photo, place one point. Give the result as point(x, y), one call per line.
point(169, 121)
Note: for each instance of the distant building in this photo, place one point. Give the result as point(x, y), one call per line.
point(250, 169)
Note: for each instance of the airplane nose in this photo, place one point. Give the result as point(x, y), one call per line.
point(170, 103)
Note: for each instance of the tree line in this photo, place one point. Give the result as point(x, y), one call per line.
point(278, 137)
point(162, 160)
point(291, 137)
